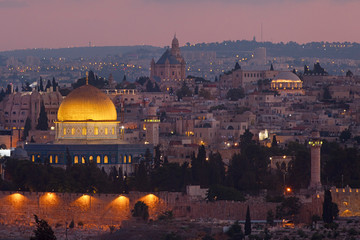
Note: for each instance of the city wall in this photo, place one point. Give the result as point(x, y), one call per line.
point(348, 201)
point(18, 208)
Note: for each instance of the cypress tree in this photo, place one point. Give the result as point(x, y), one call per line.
point(27, 128)
point(327, 208)
point(43, 119)
point(247, 222)
point(41, 85)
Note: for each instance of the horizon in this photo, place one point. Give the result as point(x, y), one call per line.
point(44, 24)
point(169, 45)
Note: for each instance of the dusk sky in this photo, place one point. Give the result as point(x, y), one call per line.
point(73, 23)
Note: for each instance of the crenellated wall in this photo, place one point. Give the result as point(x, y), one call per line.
point(111, 209)
point(348, 201)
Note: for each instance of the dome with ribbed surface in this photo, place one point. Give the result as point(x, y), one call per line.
point(87, 103)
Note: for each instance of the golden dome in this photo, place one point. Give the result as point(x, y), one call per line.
point(87, 103)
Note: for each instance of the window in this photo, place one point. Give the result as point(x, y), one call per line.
point(64, 131)
point(106, 131)
point(76, 159)
point(84, 131)
point(50, 159)
point(124, 158)
point(129, 159)
point(106, 159)
point(98, 159)
point(113, 131)
point(91, 158)
point(73, 131)
point(56, 159)
point(96, 131)
point(82, 159)
point(33, 158)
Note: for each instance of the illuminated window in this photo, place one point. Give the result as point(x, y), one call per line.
point(64, 130)
point(51, 159)
point(33, 158)
point(76, 159)
point(113, 131)
point(84, 131)
point(98, 159)
point(106, 159)
point(129, 159)
point(91, 158)
point(56, 159)
point(124, 158)
point(106, 131)
point(96, 131)
point(73, 131)
point(82, 159)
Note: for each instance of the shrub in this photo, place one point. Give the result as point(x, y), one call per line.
point(80, 224)
point(43, 230)
point(72, 224)
point(141, 210)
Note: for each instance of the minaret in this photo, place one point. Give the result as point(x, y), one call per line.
point(315, 146)
point(151, 125)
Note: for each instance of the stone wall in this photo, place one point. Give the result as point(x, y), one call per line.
point(111, 209)
point(348, 201)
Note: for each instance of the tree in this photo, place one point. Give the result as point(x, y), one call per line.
point(235, 232)
point(157, 158)
point(349, 74)
point(43, 119)
point(235, 94)
point(327, 94)
point(289, 207)
point(41, 85)
point(246, 138)
point(48, 84)
point(184, 91)
point(54, 84)
point(141, 178)
point(345, 135)
point(330, 209)
point(27, 128)
point(43, 230)
point(274, 142)
point(270, 218)
point(141, 210)
point(247, 222)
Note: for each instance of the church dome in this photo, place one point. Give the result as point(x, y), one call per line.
point(287, 76)
point(87, 103)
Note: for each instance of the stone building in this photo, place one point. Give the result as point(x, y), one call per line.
point(16, 107)
point(169, 70)
point(87, 130)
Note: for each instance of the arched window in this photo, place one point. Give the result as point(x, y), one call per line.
point(124, 158)
point(129, 159)
point(106, 159)
point(106, 131)
point(56, 159)
point(64, 131)
point(91, 158)
point(113, 131)
point(50, 159)
point(98, 159)
point(76, 159)
point(73, 131)
point(33, 158)
point(96, 131)
point(84, 131)
point(82, 159)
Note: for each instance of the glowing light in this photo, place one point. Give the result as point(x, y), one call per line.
point(17, 199)
point(288, 189)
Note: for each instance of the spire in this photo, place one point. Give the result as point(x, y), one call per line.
point(87, 78)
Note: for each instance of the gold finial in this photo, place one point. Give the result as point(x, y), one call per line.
point(87, 78)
